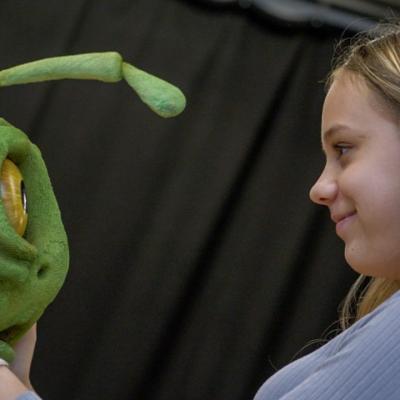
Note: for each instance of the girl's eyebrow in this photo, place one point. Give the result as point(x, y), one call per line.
point(337, 128)
point(334, 130)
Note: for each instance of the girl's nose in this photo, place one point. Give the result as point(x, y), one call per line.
point(324, 191)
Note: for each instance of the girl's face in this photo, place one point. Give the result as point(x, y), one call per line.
point(360, 183)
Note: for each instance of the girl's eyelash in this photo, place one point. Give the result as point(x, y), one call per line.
point(341, 148)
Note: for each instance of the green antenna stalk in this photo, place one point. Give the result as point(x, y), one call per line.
point(162, 97)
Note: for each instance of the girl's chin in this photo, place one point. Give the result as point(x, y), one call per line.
point(357, 260)
point(375, 268)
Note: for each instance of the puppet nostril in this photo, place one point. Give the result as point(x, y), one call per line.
point(42, 271)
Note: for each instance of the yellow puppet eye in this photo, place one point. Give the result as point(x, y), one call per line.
point(13, 196)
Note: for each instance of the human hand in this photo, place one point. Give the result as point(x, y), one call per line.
point(10, 386)
point(24, 349)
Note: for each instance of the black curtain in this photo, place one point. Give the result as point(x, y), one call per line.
point(198, 263)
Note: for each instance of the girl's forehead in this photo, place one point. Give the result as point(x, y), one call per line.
point(346, 99)
point(351, 105)
point(350, 87)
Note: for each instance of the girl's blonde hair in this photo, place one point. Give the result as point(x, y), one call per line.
point(375, 57)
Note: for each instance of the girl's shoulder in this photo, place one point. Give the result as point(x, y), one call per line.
point(377, 325)
point(359, 363)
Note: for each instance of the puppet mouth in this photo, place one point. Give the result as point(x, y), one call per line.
point(8, 334)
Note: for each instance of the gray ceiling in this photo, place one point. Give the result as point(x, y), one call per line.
point(352, 15)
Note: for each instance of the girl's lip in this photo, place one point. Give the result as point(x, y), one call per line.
point(343, 222)
point(339, 217)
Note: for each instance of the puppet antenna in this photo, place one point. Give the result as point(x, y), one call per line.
point(162, 97)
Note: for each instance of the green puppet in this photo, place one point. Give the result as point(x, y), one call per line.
point(33, 243)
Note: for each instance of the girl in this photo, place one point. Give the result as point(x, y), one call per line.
point(360, 185)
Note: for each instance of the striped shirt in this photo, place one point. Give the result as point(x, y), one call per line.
point(363, 362)
point(28, 396)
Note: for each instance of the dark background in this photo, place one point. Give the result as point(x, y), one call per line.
point(198, 263)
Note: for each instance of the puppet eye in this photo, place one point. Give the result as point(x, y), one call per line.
point(13, 196)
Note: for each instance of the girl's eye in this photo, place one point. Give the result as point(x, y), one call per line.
point(13, 196)
point(341, 149)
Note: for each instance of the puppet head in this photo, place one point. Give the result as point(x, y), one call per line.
point(33, 243)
